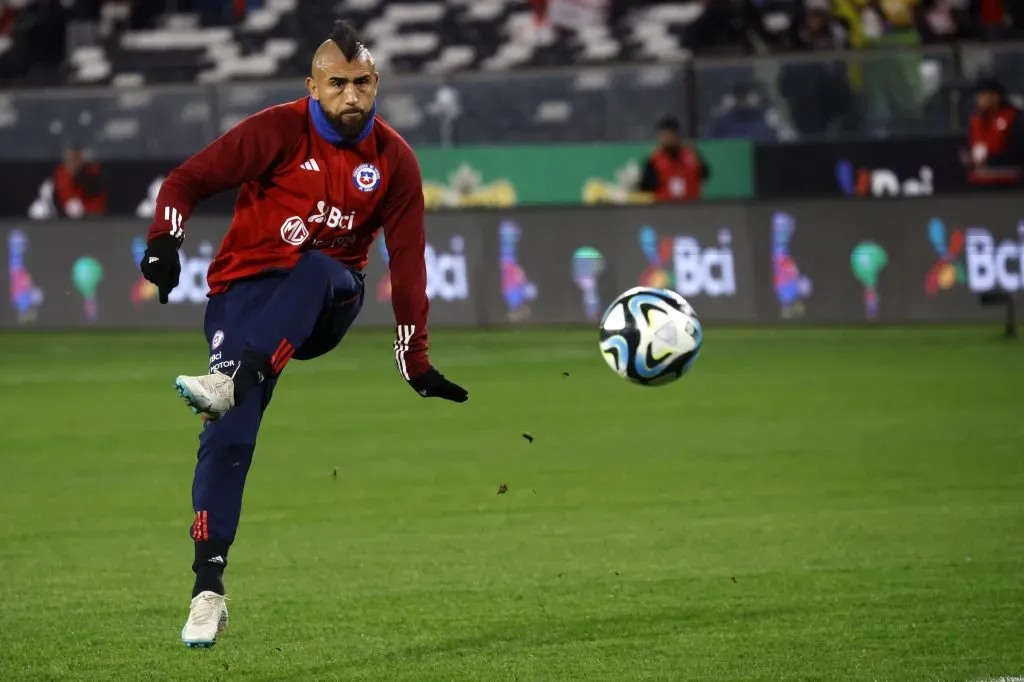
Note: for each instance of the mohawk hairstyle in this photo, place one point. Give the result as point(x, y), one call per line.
point(346, 38)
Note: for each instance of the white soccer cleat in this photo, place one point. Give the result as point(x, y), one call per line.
point(210, 395)
point(207, 618)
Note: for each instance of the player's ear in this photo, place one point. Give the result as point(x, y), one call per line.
point(311, 86)
point(376, 82)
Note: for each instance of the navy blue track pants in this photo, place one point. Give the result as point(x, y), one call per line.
point(299, 314)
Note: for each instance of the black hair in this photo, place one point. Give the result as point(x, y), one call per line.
point(669, 123)
point(992, 85)
point(346, 38)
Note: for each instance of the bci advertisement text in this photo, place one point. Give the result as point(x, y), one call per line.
point(784, 262)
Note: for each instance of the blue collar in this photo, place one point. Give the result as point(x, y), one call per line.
point(330, 133)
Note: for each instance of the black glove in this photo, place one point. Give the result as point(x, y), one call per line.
point(160, 264)
point(432, 384)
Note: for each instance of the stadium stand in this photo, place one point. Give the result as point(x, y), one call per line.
point(161, 77)
point(435, 37)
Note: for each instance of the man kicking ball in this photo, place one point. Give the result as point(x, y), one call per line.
point(317, 178)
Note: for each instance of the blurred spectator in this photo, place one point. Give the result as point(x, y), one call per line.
point(813, 26)
point(940, 21)
point(997, 19)
point(37, 31)
point(893, 97)
point(570, 16)
point(6, 18)
point(675, 171)
point(211, 12)
point(539, 8)
point(243, 7)
point(546, 34)
point(821, 100)
point(995, 138)
point(78, 186)
point(728, 23)
point(743, 115)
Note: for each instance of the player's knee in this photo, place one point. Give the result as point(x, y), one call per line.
point(315, 261)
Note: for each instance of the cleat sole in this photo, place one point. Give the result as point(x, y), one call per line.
point(206, 645)
point(187, 396)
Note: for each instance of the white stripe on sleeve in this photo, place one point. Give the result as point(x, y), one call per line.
point(402, 339)
point(175, 220)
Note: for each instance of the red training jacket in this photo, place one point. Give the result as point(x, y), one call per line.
point(679, 178)
point(299, 192)
point(989, 136)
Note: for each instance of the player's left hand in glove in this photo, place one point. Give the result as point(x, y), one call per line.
point(160, 264)
point(432, 384)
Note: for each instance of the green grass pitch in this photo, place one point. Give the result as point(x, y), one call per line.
point(805, 505)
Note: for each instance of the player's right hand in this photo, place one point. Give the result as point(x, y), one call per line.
point(433, 384)
point(160, 264)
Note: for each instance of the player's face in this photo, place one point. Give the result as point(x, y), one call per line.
point(345, 90)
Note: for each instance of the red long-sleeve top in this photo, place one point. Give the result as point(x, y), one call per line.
point(297, 191)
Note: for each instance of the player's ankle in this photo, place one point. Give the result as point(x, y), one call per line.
point(252, 371)
point(211, 558)
point(209, 579)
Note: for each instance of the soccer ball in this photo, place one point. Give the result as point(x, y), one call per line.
point(650, 336)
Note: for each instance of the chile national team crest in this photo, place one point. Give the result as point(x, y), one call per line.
point(366, 177)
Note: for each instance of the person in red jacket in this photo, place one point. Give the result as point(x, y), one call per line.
point(318, 178)
point(78, 186)
point(675, 171)
point(995, 154)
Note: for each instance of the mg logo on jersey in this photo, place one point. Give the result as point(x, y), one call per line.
point(294, 231)
point(366, 177)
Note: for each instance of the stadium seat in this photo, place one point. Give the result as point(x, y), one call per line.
point(429, 36)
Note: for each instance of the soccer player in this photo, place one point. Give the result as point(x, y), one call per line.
point(317, 179)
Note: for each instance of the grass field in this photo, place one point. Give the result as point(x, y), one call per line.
point(805, 505)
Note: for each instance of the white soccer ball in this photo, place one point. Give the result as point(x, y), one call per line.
point(650, 336)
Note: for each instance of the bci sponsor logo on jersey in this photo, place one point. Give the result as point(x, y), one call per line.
point(295, 230)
